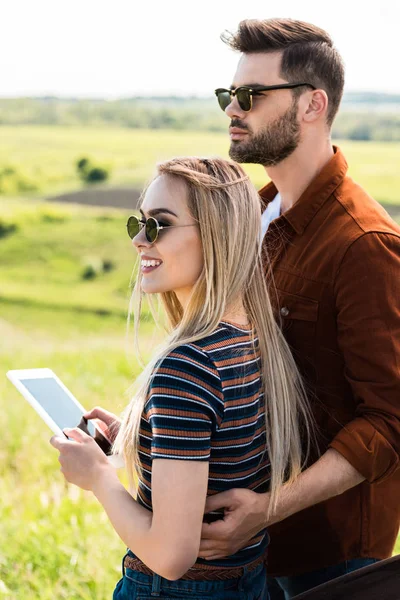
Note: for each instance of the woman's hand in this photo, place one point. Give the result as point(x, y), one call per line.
point(82, 461)
point(107, 421)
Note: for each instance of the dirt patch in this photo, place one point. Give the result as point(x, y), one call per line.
point(117, 197)
point(128, 197)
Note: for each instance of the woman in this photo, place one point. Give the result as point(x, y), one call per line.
point(220, 403)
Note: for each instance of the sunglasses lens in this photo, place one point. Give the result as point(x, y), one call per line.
point(151, 230)
point(224, 99)
point(133, 226)
point(244, 99)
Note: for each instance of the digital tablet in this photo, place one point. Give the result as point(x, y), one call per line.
point(53, 401)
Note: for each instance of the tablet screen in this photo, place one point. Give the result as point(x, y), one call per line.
point(56, 402)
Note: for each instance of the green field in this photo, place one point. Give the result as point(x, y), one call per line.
point(46, 156)
point(55, 539)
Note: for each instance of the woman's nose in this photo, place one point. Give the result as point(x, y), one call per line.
point(140, 240)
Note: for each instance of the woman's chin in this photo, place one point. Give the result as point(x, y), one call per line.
point(149, 287)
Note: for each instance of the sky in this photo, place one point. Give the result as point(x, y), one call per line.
point(119, 48)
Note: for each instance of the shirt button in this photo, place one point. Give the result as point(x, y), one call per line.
point(284, 311)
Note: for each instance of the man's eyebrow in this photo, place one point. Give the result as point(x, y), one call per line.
point(247, 85)
point(156, 211)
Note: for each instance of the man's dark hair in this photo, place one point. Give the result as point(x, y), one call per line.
point(308, 53)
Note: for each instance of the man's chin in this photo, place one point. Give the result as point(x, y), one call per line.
point(237, 152)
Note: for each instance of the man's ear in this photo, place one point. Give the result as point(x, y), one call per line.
point(317, 106)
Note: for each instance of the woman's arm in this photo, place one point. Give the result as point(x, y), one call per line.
point(168, 540)
point(183, 409)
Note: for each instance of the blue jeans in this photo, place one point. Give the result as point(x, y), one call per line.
point(285, 588)
point(138, 586)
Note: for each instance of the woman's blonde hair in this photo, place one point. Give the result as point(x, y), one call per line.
point(228, 211)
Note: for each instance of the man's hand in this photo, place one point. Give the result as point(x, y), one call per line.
point(245, 515)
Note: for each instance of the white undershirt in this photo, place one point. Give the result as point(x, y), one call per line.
point(271, 213)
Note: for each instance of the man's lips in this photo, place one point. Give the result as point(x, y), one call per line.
point(236, 133)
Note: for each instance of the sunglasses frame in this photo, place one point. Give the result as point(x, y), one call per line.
point(158, 227)
point(256, 91)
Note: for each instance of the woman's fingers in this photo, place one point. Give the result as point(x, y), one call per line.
point(100, 413)
point(105, 420)
point(76, 434)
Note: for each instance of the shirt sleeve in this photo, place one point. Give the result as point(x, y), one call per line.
point(367, 291)
point(184, 405)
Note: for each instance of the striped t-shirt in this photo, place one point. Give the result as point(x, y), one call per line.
point(206, 403)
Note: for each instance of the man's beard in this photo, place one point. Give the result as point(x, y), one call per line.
point(272, 144)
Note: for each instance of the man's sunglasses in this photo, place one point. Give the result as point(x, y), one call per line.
point(151, 227)
point(244, 94)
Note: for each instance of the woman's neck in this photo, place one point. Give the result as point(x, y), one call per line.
point(236, 315)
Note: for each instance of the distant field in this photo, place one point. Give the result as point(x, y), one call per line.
point(47, 156)
point(45, 260)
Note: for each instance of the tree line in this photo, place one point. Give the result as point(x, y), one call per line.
point(363, 116)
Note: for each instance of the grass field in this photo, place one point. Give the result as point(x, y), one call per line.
point(55, 539)
point(47, 156)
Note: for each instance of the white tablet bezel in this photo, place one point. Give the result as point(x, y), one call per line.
point(16, 377)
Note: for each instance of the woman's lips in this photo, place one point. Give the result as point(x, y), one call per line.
point(145, 270)
point(147, 265)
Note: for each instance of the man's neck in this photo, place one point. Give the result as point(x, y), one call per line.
point(293, 175)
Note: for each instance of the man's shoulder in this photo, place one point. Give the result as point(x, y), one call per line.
point(361, 213)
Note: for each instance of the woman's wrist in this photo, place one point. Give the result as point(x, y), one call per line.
point(105, 480)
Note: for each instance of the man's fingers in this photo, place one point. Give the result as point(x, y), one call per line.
point(210, 550)
point(208, 546)
point(218, 501)
point(213, 556)
point(214, 531)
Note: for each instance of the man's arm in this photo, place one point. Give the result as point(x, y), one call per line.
point(246, 512)
point(367, 296)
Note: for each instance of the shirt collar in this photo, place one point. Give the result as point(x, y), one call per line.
point(311, 200)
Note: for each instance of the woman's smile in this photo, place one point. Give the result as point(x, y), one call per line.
point(149, 264)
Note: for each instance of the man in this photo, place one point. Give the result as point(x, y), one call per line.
point(335, 255)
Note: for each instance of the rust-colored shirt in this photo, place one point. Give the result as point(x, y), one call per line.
point(336, 264)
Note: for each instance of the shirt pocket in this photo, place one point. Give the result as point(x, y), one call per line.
point(298, 316)
point(294, 308)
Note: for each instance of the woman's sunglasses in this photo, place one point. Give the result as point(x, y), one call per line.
point(244, 94)
point(151, 227)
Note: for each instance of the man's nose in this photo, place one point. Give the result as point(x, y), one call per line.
point(233, 110)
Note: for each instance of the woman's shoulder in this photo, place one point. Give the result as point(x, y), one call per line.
point(225, 335)
point(190, 357)
point(226, 339)
point(189, 371)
